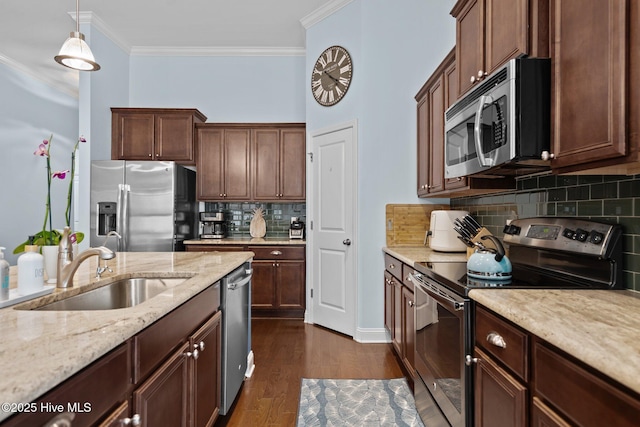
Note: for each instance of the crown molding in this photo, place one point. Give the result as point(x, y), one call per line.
point(216, 51)
point(322, 12)
point(94, 20)
point(43, 77)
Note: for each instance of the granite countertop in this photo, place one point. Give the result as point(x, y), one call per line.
point(247, 241)
point(40, 349)
point(411, 254)
point(599, 327)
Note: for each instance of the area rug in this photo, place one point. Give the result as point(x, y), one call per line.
point(327, 402)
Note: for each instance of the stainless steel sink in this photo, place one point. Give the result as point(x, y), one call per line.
point(119, 294)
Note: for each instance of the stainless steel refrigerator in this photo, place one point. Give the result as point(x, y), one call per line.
point(150, 204)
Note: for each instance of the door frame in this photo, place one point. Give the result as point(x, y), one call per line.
point(311, 201)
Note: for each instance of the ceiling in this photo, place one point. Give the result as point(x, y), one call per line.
point(31, 35)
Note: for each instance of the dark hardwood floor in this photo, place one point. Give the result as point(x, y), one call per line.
point(288, 350)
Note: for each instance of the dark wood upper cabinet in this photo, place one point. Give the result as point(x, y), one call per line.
point(491, 32)
point(154, 134)
point(594, 80)
point(278, 156)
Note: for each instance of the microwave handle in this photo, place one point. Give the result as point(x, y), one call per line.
point(477, 132)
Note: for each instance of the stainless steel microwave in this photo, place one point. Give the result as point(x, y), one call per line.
point(501, 127)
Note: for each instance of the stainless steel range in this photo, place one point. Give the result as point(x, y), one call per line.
point(546, 253)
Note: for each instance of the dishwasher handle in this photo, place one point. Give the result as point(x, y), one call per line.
point(240, 283)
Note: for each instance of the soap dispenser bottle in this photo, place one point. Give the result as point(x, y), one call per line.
point(4, 277)
point(30, 270)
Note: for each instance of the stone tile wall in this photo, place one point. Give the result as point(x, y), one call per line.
point(605, 198)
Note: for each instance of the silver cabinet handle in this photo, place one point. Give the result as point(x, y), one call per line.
point(392, 266)
point(495, 339)
point(133, 421)
point(199, 345)
point(411, 303)
point(276, 253)
point(195, 354)
point(61, 420)
point(346, 242)
point(547, 155)
point(468, 360)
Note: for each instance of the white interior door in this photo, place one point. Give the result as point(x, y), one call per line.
point(334, 204)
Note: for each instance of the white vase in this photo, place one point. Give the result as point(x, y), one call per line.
point(50, 254)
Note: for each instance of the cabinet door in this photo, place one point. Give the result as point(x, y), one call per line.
point(388, 302)
point(436, 99)
point(409, 330)
point(265, 154)
point(451, 95)
point(290, 284)
point(210, 176)
point(174, 138)
point(206, 373)
point(506, 31)
point(543, 416)
point(469, 43)
point(133, 136)
point(118, 417)
point(293, 164)
point(423, 146)
point(162, 400)
point(588, 96)
point(398, 314)
point(263, 291)
point(500, 400)
point(236, 164)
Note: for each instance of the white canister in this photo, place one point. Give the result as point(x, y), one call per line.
point(30, 271)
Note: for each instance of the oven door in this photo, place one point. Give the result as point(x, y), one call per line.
point(442, 341)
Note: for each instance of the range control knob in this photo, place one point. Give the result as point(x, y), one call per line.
point(595, 237)
point(568, 233)
point(511, 229)
point(581, 235)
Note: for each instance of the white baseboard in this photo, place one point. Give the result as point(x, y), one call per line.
point(372, 335)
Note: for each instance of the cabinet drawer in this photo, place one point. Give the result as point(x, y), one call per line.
point(102, 385)
point(579, 395)
point(393, 266)
point(155, 343)
point(406, 280)
point(277, 252)
point(504, 341)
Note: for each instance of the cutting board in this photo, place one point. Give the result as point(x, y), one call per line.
point(406, 225)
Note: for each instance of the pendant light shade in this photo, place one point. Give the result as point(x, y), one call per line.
point(75, 52)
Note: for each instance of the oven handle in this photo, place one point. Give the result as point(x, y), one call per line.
point(436, 293)
point(477, 132)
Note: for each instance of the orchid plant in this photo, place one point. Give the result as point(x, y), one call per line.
point(49, 236)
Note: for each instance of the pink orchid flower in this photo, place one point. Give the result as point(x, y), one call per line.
point(42, 149)
point(60, 174)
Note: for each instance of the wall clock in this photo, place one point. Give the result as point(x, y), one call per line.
point(331, 76)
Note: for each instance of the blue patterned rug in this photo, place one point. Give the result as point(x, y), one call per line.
point(325, 402)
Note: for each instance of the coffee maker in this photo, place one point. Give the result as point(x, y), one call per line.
point(215, 225)
point(296, 228)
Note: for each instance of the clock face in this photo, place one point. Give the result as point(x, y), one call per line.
point(331, 76)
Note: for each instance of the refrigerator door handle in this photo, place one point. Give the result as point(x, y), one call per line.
point(123, 217)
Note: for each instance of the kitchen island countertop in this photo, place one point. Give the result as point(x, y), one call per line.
point(40, 349)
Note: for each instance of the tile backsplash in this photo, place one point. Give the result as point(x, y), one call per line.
point(605, 198)
point(277, 216)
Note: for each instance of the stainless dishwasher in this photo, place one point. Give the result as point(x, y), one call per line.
point(236, 327)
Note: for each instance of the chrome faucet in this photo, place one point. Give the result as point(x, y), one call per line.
point(67, 266)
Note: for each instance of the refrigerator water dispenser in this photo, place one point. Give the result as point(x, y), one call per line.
point(107, 217)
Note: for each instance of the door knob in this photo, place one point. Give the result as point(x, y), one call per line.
point(346, 242)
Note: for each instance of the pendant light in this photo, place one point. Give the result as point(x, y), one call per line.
point(75, 52)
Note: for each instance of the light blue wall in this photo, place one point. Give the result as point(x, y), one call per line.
point(395, 47)
point(31, 111)
point(225, 89)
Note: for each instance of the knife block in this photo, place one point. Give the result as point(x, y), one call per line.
point(478, 238)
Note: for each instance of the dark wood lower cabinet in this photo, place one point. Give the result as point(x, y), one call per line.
point(206, 373)
point(500, 399)
point(163, 398)
point(558, 390)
